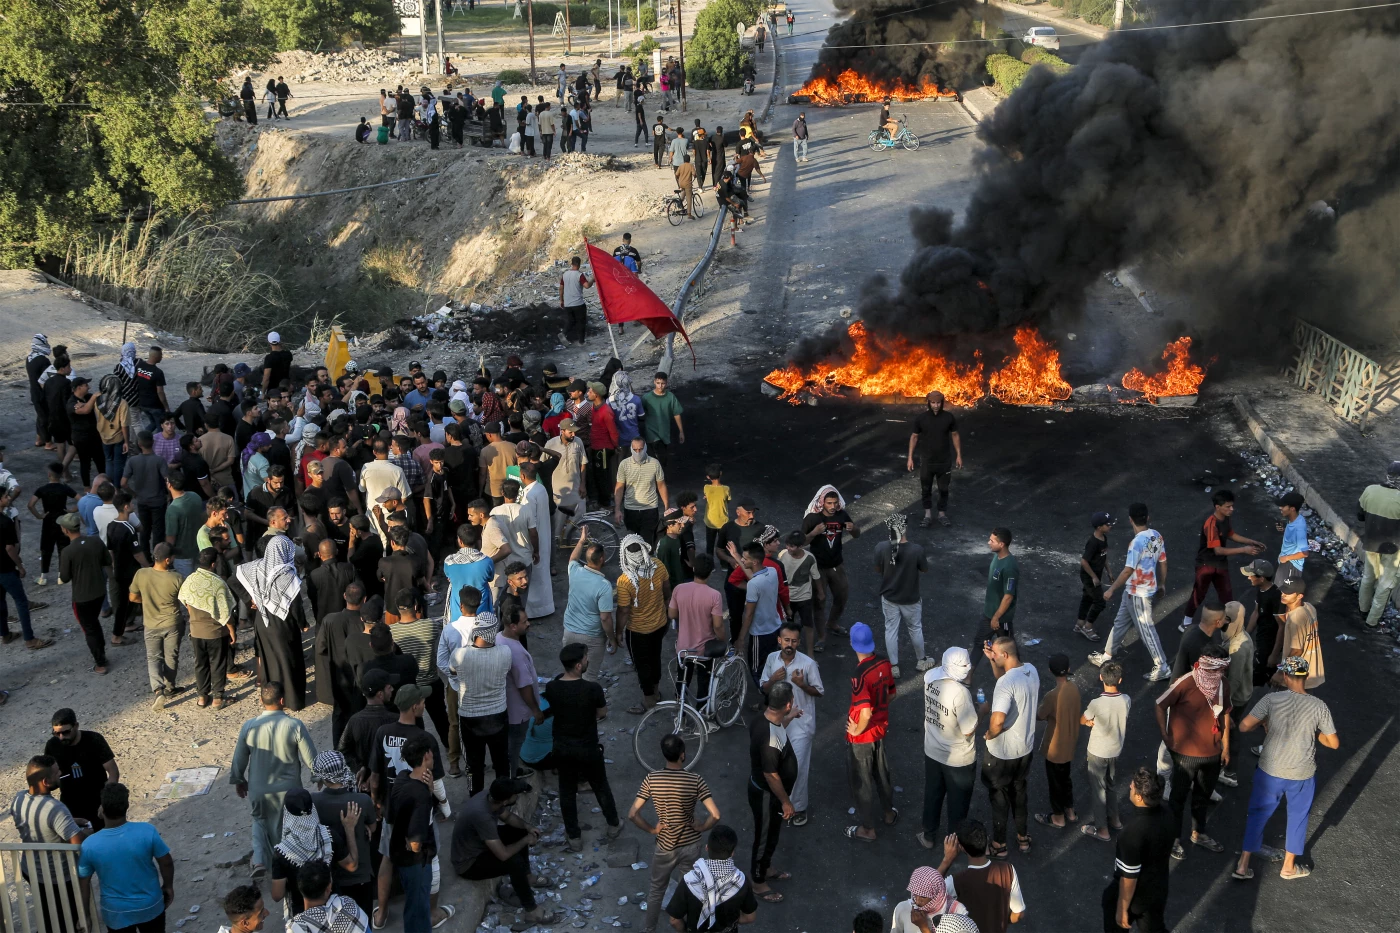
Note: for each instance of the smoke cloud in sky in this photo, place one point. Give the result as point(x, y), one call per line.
point(1251, 168)
point(890, 23)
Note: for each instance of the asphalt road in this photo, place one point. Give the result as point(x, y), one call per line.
point(1072, 44)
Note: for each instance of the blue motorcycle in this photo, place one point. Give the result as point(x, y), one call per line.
point(879, 139)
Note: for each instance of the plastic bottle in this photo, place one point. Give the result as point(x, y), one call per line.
point(981, 695)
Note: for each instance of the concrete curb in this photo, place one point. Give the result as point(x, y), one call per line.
point(1282, 457)
point(1051, 16)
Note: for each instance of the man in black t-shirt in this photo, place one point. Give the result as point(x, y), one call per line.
point(86, 762)
point(772, 772)
point(1092, 565)
point(1213, 554)
point(54, 496)
point(277, 365)
point(576, 705)
point(1141, 867)
point(150, 389)
point(825, 525)
point(82, 427)
point(714, 879)
point(1268, 615)
point(357, 740)
point(408, 819)
point(939, 446)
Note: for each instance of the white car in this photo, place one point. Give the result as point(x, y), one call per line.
point(1042, 36)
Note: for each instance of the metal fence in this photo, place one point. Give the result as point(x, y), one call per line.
point(1344, 377)
point(40, 891)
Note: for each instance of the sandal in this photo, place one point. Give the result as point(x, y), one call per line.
point(779, 876)
point(1092, 831)
point(1245, 875)
point(895, 811)
point(1044, 820)
point(1023, 843)
point(945, 521)
point(819, 647)
point(637, 710)
point(851, 834)
point(450, 911)
point(838, 630)
point(1207, 843)
point(1087, 632)
point(926, 522)
point(772, 897)
point(1299, 871)
point(997, 850)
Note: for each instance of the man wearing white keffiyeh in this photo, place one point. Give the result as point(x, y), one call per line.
point(643, 593)
point(1197, 733)
point(899, 563)
point(825, 525)
point(714, 896)
point(275, 590)
point(35, 365)
point(325, 912)
point(304, 840)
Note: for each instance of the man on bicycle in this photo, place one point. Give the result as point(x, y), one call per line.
point(685, 181)
point(699, 613)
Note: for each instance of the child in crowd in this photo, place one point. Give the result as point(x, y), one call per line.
point(1107, 715)
point(716, 505)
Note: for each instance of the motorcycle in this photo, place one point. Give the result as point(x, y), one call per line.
point(880, 140)
point(748, 85)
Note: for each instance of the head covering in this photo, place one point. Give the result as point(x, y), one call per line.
point(1392, 472)
point(128, 361)
point(816, 503)
point(68, 520)
point(410, 695)
point(1100, 518)
point(635, 557)
point(272, 582)
point(1258, 568)
point(486, 628)
point(957, 664)
point(260, 439)
point(1209, 674)
point(928, 882)
point(598, 389)
point(399, 423)
point(109, 396)
point(895, 525)
point(241, 369)
point(206, 591)
point(713, 881)
point(568, 424)
point(39, 347)
point(621, 391)
point(532, 418)
point(639, 456)
point(1234, 635)
point(330, 768)
point(956, 923)
point(862, 639)
point(307, 442)
point(304, 839)
point(768, 535)
point(556, 403)
point(1058, 664)
point(613, 366)
point(1294, 665)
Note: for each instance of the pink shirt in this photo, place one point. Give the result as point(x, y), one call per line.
point(522, 674)
point(423, 454)
point(694, 604)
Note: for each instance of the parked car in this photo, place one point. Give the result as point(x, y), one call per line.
point(1043, 36)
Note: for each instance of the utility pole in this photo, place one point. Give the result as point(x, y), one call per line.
point(437, 12)
point(610, 29)
point(568, 30)
point(680, 37)
point(1118, 14)
point(639, 15)
point(530, 11)
point(423, 38)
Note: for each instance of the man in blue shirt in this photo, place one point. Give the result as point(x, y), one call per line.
point(588, 616)
point(468, 567)
point(133, 865)
point(1295, 539)
point(88, 503)
point(758, 636)
point(422, 393)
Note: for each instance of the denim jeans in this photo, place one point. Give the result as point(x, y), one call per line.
point(184, 566)
point(515, 740)
point(946, 781)
point(417, 881)
point(909, 617)
point(799, 149)
point(13, 586)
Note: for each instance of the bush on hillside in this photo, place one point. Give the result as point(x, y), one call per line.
point(513, 76)
point(1007, 72)
point(305, 24)
point(648, 17)
point(714, 58)
point(598, 18)
point(1034, 55)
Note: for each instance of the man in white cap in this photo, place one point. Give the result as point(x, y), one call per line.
point(277, 365)
point(950, 745)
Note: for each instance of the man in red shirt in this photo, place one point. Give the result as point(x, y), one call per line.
point(1194, 718)
point(602, 447)
point(872, 688)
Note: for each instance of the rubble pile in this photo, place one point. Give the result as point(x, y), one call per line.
point(348, 65)
point(586, 163)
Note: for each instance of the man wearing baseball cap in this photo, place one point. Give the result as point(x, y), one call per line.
point(1298, 636)
point(872, 688)
point(1268, 614)
point(1092, 565)
point(277, 364)
point(1379, 508)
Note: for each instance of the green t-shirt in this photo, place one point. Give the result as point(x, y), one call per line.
point(661, 411)
point(498, 95)
point(668, 551)
point(1002, 577)
point(183, 518)
point(160, 596)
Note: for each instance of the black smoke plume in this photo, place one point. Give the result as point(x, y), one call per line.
point(890, 24)
point(1250, 167)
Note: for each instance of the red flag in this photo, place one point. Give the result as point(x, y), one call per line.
point(625, 297)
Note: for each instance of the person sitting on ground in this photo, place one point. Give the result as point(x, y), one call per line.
point(490, 841)
point(362, 131)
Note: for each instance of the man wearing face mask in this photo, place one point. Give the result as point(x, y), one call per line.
point(640, 493)
point(939, 447)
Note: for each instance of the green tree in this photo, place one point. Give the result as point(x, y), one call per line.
point(714, 58)
point(305, 24)
point(102, 111)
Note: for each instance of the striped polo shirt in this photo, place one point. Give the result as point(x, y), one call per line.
point(675, 795)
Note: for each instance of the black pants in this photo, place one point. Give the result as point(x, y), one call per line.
point(986, 633)
point(661, 450)
point(122, 607)
point(211, 666)
point(1091, 602)
point(282, 107)
point(602, 473)
point(767, 812)
point(576, 325)
point(1006, 786)
point(1196, 777)
point(154, 925)
point(582, 764)
point(760, 647)
point(1057, 775)
point(362, 894)
point(41, 419)
point(946, 782)
point(1146, 919)
point(529, 144)
point(645, 650)
point(271, 110)
point(89, 616)
point(486, 866)
point(88, 453)
point(711, 538)
point(436, 708)
point(152, 525)
point(929, 473)
point(51, 538)
point(642, 522)
point(640, 133)
point(868, 771)
point(734, 599)
point(658, 148)
point(250, 111)
point(697, 673)
point(478, 734)
point(434, 133)
point(700, 169)
point(548, 144)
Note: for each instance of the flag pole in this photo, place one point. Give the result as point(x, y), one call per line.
point(616, 355)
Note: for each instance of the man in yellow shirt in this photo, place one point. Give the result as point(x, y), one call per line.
point(643, 592)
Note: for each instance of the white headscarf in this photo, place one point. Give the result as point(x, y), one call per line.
point(621, 391)
point(40, 347)
point(957, 664)
point(816, 503)
point(307, 442)
point(128, 361)
point(273, 582)
point(635, 557)
point(713, 881)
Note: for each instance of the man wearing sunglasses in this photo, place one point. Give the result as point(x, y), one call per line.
point(86, 764)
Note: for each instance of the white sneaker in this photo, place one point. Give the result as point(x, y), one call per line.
point(894, 669)
point(1155, 676)
point(1215, 796)
point(1097, 658)
point(926, 664)
point(43, 580)
point(1185, 624)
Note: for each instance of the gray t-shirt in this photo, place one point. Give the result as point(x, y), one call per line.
point(1294, 721)
point(1109, 713)
point(573, 288)
point(1016, 695)
point(145, 477)
point(476, 825)
point(899, 582)
point(763, 593)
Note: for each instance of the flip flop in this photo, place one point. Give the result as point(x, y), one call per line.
point(895, 811)
point(1092, 831)
point(1299, 871)
point(636, 710)
point(997, 851)
point(772, 897)
point(450, 911)
point(1023, 843)
point(779, 876)
point(851, 834)
point(1245, 875)
point(1044, 820)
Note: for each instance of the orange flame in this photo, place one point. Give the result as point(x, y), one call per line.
point(894, 366)
point(1032, 376)
point(1181, 378)
point(849, 86)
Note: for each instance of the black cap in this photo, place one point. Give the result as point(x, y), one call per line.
point(81, 381)
point(1100, 518)
point(1058, 664)
point(748, 505)
point(1292, 587)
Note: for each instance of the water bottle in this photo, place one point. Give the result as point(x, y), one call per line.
point(981, 696)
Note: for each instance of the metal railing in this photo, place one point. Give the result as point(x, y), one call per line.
point(1345, 378)
point(39, 890)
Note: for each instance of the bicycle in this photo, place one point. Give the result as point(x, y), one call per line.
point(729, 684)
point(675, 207)
point(601, 531)
point(880, 140)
